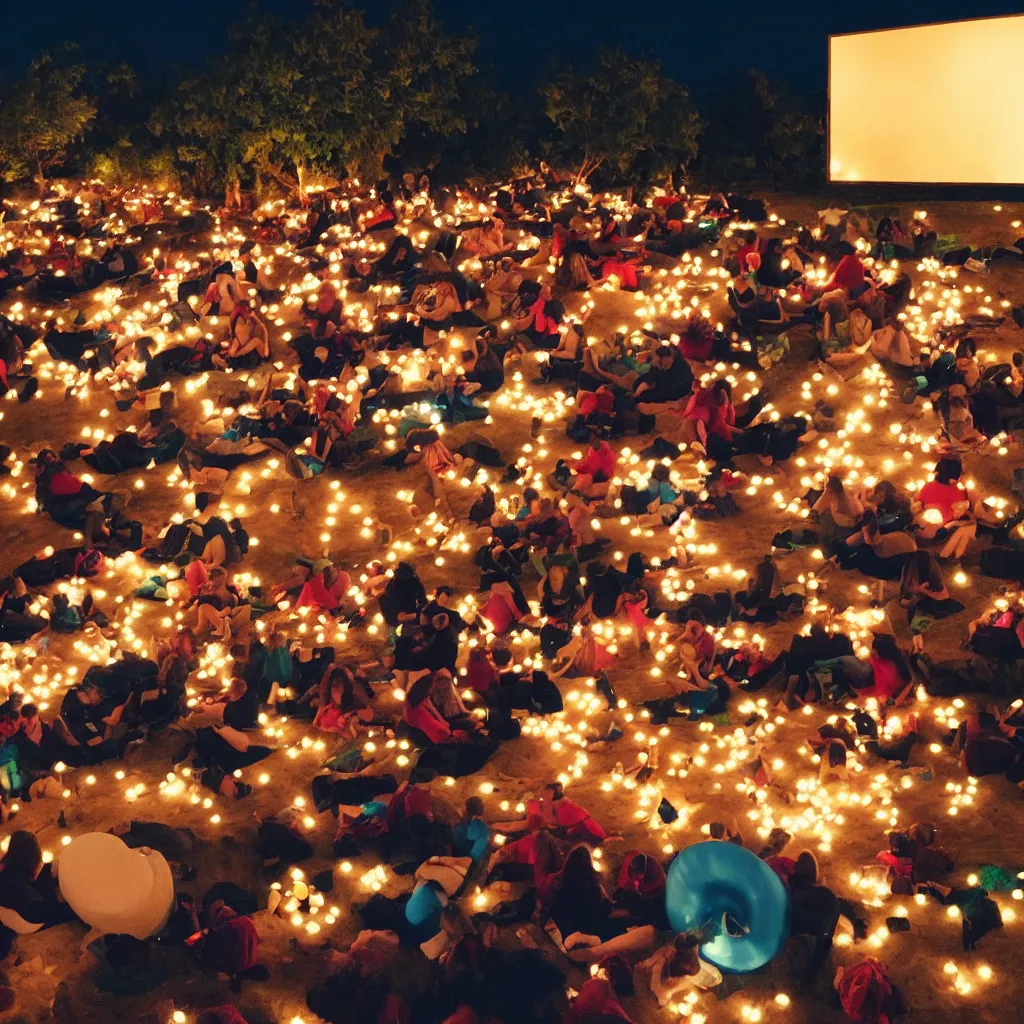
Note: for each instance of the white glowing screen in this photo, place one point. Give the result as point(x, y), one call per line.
point(935, 103)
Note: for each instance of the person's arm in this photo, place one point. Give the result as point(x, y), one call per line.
point(926, 589)
point(691, 663)
point(849, 911)
point(904, 694)
point(114, 718)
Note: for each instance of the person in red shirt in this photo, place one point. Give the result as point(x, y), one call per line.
point(573, 822)
point(945, 494)
point(849, 275)
point(710, 412)
point(944, 503)
point(593, 473)
point(419, 713)
point(596, 408)
point(891, 676)
point(325, 589)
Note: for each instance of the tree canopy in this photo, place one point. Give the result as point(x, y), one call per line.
point(43, 114)
point(616, 110)
point(328, 92)
point(337, 94)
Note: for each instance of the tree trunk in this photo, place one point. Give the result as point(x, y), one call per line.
point(588, 168)
point(40, 176)
point(300, 174)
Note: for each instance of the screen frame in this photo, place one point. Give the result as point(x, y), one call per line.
point(874, 183)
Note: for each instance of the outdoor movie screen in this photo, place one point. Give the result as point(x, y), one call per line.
point(939, 104)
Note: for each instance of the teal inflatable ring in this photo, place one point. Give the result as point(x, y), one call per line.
point(710, 880)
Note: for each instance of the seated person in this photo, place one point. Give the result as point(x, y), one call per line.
point(325, 589)
point(90, 725)
point(590, 476)
point(838, 510)
point(486, 240)
point(482, 363)
point(564, 359)
point(29, 898)
point(223, 292)
point(501, 288)
point(17, 623)
point(923, 593)
point(751, 308)
point(884, 676)
point(764, 600)
point(875, 553)
point(398, 259)
point(339, 711)
point(670, 380)
point(710, 412)
point(583, 914)
point(248, 343)
point(540, 323)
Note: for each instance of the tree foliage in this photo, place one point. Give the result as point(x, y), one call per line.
point(617, 111)
point(758, 131)
point(328, 92)
point(42, 114)
point(335, 93)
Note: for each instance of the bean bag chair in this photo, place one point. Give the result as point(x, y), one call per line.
point(710, 880)
point(115, 889)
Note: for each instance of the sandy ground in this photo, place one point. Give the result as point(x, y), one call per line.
point(988, 830)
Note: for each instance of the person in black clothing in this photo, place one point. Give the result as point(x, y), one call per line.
point(814, 914)
point(17, 623)
point(605, 585)
point(581, 908)
point(91, 726)
point(29, 900)
point(669, 380)
point(441, 604)
point(403, 597)
point(441, 648)
point(804, 652)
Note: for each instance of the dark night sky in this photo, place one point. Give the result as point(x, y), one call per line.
point(696, 42)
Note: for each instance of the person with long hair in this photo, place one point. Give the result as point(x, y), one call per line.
point(582, 913)
point(29, 898)
point(838, 508)
point(339, 711)
point(874, 553)
point(923, 593)
point(814, 915)
point(945, 510)
point(885, 675)
point(420, 714)
point(710, 412)
point(536, 857)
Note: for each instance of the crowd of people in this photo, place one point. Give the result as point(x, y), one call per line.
point(349, 336)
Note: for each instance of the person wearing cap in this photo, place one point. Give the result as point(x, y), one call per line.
point(326, 587)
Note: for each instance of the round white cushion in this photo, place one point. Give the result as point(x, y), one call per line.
point(113, 888)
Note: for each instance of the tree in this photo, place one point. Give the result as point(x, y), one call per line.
point(327, 92)
point(759, 132)
point(413, 88)
point(42, 115)
point(791, 150)
point(274, 105)
point(617, 110)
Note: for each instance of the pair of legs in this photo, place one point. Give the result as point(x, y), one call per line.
point(223, 623)
point(633, 940)
point(958, 541)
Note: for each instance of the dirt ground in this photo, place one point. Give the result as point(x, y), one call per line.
point(844, 823)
